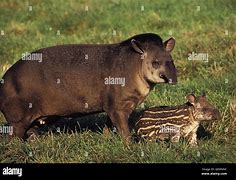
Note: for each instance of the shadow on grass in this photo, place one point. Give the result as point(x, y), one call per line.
point(203, 134)
point(94, 123)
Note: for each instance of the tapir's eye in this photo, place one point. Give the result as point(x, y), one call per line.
point(156, 64)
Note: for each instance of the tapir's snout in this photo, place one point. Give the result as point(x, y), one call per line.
point(172, 80)
point(168, 80)
point(170, 73)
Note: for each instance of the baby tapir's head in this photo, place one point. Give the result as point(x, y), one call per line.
point(157, 63)
point(202, 109)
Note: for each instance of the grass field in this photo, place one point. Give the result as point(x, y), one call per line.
point(198, 26)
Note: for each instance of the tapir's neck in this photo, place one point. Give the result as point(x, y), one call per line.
point(192, 114)
point(144, 86)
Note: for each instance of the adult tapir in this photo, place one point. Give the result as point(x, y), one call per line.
point(69, 80)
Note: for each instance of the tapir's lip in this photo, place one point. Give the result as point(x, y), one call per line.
point(167, 80)
point(162, 76)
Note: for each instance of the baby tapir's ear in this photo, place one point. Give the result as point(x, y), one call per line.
point(191, 98)
point(169, 44)
point(136, 46)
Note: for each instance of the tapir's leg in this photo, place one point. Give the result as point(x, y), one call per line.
point(119, 119)
point(19, 114)
point(22, 128)
point(33, 131)
point(119, 111)
point(192, 138)
point(19, 129)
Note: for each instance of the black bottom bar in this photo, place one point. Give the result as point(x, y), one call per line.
point(215, 171)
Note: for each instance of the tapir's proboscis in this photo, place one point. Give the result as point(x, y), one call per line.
point(69, 80)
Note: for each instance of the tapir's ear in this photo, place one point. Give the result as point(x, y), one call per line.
point(191, 98)
point(136, 46)
point(169, 44)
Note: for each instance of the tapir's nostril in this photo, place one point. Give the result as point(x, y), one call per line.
point(162, 77)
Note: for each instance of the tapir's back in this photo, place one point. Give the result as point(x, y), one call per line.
point(83, 64)
point(49, 74)
point(162, 122)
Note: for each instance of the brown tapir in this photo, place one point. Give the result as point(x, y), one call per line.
point(69, 80)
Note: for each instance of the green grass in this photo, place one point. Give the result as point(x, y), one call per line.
point(92, 147)
point(203, 31)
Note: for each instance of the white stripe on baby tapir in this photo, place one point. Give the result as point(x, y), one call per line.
point(170, 124)
point(146, 128)
point(156, 126)
point(181, 110)
point(166, 118)
point(165, 111)
point(150, 134)
point(186, 117)
point(144, 135)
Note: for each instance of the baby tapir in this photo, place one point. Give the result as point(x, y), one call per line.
point(171, 123)
point(71, 80)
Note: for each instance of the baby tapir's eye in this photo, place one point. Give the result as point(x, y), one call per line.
point(156, 64)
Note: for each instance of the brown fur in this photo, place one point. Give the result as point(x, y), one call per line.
point(174, 122)
point(66, 83)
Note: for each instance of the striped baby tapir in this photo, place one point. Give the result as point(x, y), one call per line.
point(172, 123)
